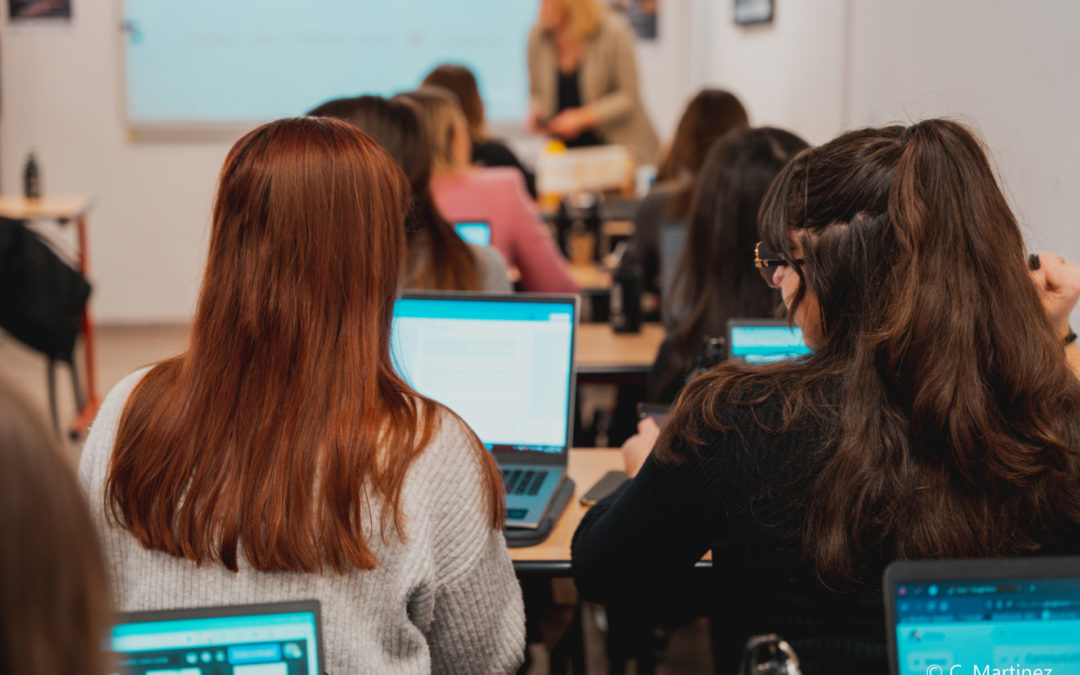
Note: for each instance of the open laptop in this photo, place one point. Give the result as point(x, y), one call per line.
point(476, 232)
point(271, 639)
point(764, 340)
point(1018, 616)
point(505, 364)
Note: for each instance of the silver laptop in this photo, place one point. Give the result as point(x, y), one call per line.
point(269, 639)
point(505, 364)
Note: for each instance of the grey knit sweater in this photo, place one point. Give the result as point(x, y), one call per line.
point(444, 600)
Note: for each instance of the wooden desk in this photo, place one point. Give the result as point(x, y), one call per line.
point(586, 466)
point(602, 350)
point(552, 556)
point(591, 278)
point(64, 208)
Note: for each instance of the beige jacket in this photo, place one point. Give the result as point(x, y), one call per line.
point(608, 81)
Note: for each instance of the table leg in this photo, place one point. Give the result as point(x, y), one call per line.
point(90, 408)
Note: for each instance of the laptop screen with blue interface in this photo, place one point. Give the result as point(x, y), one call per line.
point(188, 642)
point(764, 342)
point(988, 626)
point(503, 365)
point(476, 233)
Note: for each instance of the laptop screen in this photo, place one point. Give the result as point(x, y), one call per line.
point(475, 233)
point(256, 640)
point(503, 363)
point(764, 341)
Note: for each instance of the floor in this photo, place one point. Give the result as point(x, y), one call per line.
point(122, 349)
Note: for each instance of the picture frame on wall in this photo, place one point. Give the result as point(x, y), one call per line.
point(642, 15)
point(24, 10)
point(751, 12)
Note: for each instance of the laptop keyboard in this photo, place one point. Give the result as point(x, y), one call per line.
point(523, 481)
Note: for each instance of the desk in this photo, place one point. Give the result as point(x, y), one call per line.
point(63, 209)
point(591, 278)
point(602, 350)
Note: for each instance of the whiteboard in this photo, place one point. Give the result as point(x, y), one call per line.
point(192, 63)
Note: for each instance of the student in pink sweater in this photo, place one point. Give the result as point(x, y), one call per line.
point(495, 195)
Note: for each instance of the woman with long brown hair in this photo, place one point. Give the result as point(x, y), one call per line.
point(937, 417)
point(281, 457)
point(54, 597)
point(438, 259)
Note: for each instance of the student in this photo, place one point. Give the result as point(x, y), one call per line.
point(583, 85)
point(281, 457)
point(438, 259)
point(709, 116)
point(713, 282)
point(493, 195)
point(54, 600)
point(486, 151)
point(937, 417)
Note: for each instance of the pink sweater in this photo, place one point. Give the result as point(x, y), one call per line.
point(497, 196)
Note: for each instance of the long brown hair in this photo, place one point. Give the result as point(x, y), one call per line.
point(285, 415)
point(708, 117)
point(442, 261)
point(952, 416)
point(461, 81)
point(713, 282)
point(54, 602)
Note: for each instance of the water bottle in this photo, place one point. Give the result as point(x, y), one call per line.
point(626, 283)
point(31, 179)
point(769, 655)
point(593, 224)
point(562, 227)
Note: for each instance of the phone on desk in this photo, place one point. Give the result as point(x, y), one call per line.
point(603, 487)
point(657, 411)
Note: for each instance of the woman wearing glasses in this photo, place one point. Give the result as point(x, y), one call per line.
point(937, 417)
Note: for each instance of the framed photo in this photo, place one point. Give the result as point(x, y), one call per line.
point(749, 12)
point(19, 10)
point(642, 15)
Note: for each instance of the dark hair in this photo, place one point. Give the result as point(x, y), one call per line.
point(951, 412)
point(54, 601)
point(708, 117)
point(396, 125)
point(716, 280)
point(460, 80)
point(288, 369)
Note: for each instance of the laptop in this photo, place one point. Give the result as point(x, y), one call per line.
point(1017, 616)
point(764, 340)
point(505, 364)
point(477, 233)
point(282, 638)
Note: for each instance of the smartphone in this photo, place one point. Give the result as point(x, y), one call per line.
point(657, 411)
point(605, 486)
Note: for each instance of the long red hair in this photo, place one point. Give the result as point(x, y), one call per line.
point(285, 414)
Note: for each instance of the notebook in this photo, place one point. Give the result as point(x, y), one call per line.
point(269, 639)
point(505, 364)
point(477, 233)
point(764, 340)
point(983, 617)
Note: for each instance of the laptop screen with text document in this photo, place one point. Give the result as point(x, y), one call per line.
point(503, 363)
point(764, 340)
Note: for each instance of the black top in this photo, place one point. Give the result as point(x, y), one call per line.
point(494, 153)
point(570, 97)
point(744, 498)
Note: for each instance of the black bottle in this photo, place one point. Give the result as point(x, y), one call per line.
point(593, 224)
point(626, 282)
point(31, 179)
point(562, 227)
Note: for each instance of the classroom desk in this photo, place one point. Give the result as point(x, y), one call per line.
point(600, 350)
point(591, 278)
point(63, 209)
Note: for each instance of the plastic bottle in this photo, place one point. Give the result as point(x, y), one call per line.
point(31, 178)
point(626, 283)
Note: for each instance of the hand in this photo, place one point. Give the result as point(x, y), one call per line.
point(636, 449)
point(569, 124)
point(1057, 281)
point(535, 122)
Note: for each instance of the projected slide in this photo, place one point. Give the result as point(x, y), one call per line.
point(207, 61)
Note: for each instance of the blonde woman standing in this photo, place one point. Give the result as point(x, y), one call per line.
point(583, 85)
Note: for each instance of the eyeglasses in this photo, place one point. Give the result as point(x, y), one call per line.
point(767, 262)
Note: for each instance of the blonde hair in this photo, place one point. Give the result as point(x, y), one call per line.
point(440, 111)
point(584, 16)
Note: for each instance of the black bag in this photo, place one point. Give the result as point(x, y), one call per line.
point(41, 296)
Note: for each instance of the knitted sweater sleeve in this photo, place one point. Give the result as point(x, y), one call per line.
point(478, 618)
